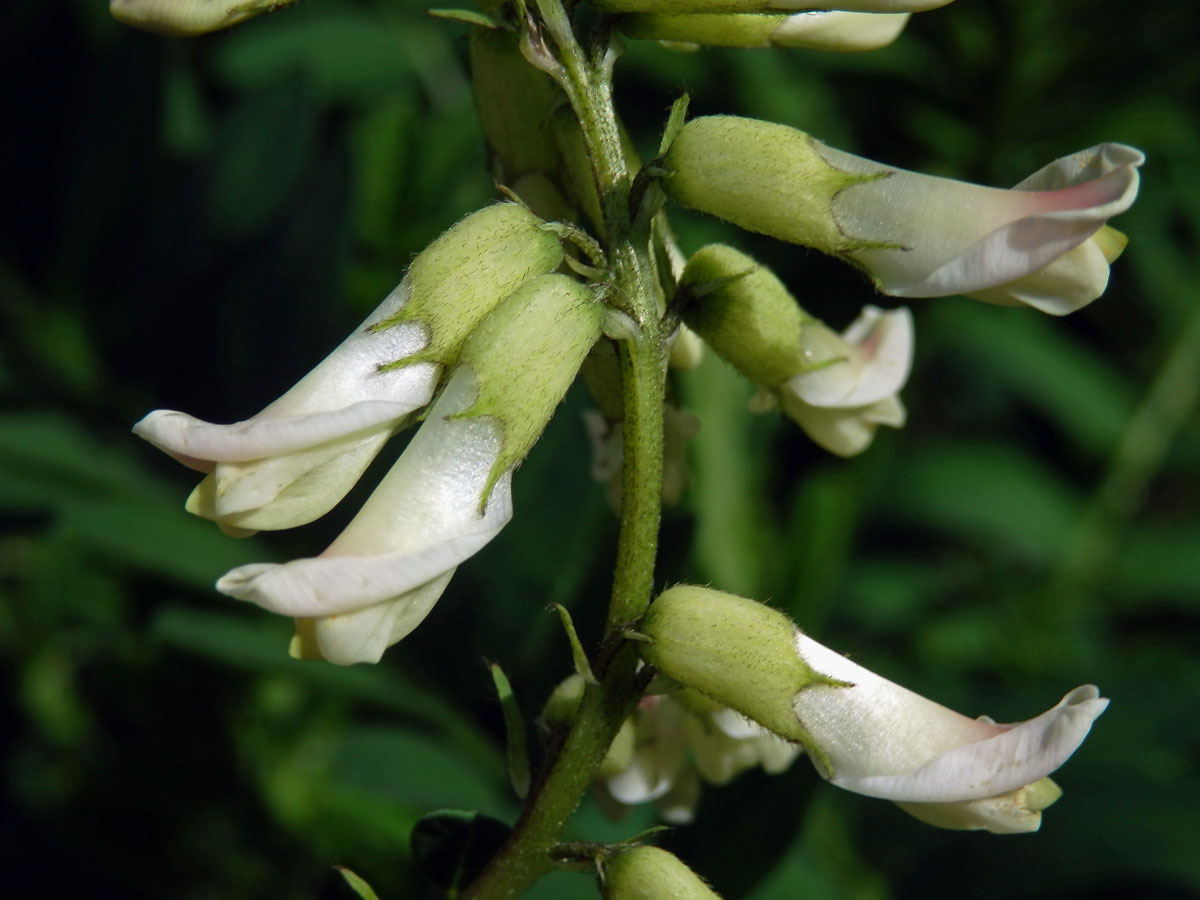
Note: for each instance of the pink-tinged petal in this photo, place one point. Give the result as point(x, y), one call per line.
point(877, 349)
point(956, 238)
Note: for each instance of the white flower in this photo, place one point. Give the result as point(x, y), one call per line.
point(879, 739)
point(675, 745)
point(448, 494)
point(854, 382)
point(383, 574)
point(297, 458)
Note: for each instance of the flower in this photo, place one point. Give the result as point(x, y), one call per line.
point(449, 493)
point(854, 382)
point(379, 579)
point(838, 388)
point(297, 458)
point(1044, 243)
point(863, 732)
point(678, 739)
point(882, 740)
point(817, 30)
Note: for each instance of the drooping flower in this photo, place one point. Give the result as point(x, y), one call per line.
point(449, 493)
point(1045, 243)
point(882, 740)
point(862, 732)
point(298, 457)
point(679, 739)
point(843, 32)
point(838, 388)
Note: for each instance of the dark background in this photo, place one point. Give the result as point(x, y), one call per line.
point(194, 223)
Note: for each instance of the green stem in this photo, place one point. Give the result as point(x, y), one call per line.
point(605, 705)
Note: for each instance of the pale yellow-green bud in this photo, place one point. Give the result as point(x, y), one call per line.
point(651, 873)
point(515, 103)
point(563, 703)
point(744, 313)
point(188, 17)
point(736, 652)
point(525, 355)
point(762, 177)
point(461, 277)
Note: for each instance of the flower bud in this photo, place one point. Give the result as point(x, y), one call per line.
point(1040, 244)
point(736, 652)
point(188, 17)
point(842, 32)
point(298, 457)
point(650, 873)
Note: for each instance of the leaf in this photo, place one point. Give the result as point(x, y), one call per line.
point(357, 884)
point(514, 728)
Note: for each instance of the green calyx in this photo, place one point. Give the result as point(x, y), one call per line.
point(711, 30)
point(525, 355)
point(651, 873)
point(744, 313)
point(462, 276)
point(762, 177)
point(738, 653)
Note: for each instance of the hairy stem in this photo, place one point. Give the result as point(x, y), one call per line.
point(605, 704)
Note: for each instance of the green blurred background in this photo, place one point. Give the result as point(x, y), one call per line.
point(193, 223)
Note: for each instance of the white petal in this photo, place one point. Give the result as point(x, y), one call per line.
point(883, 740)
point(839, 31)
point(1018, 756)
point(659, 755)
point(364, 634)
point(879, 349)
point(346, 394)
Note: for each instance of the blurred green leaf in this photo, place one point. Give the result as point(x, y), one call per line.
point(994, 496)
